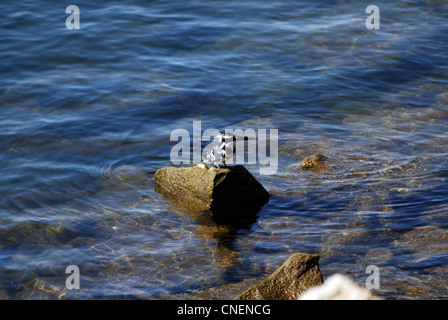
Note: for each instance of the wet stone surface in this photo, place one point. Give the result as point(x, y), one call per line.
point(314, 162)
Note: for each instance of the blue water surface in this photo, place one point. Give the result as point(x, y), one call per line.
point(86, 116)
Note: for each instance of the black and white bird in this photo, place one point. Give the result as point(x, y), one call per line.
point(224, 150)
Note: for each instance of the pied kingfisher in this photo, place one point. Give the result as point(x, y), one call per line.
point(224, 150)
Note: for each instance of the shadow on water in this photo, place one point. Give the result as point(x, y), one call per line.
point(409, 68)
point(223, 230)
point(368, 81)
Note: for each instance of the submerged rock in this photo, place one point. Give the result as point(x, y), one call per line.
point(226, 192)
point(428, 244)
point(297, 274)
point(315, 162)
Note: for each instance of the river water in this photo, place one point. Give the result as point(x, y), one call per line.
point(86, 116)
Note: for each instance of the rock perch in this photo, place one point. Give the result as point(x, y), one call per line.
point(226, 192)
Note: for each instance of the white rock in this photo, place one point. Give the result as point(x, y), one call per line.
point(338, 287)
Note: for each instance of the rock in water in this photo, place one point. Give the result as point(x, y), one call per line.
point(315, 163)
point(299, 273)
point(226, 192)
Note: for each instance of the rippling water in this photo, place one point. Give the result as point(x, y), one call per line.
point(86, 117)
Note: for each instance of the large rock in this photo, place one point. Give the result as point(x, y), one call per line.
point(226, 192)
point(297, 274)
